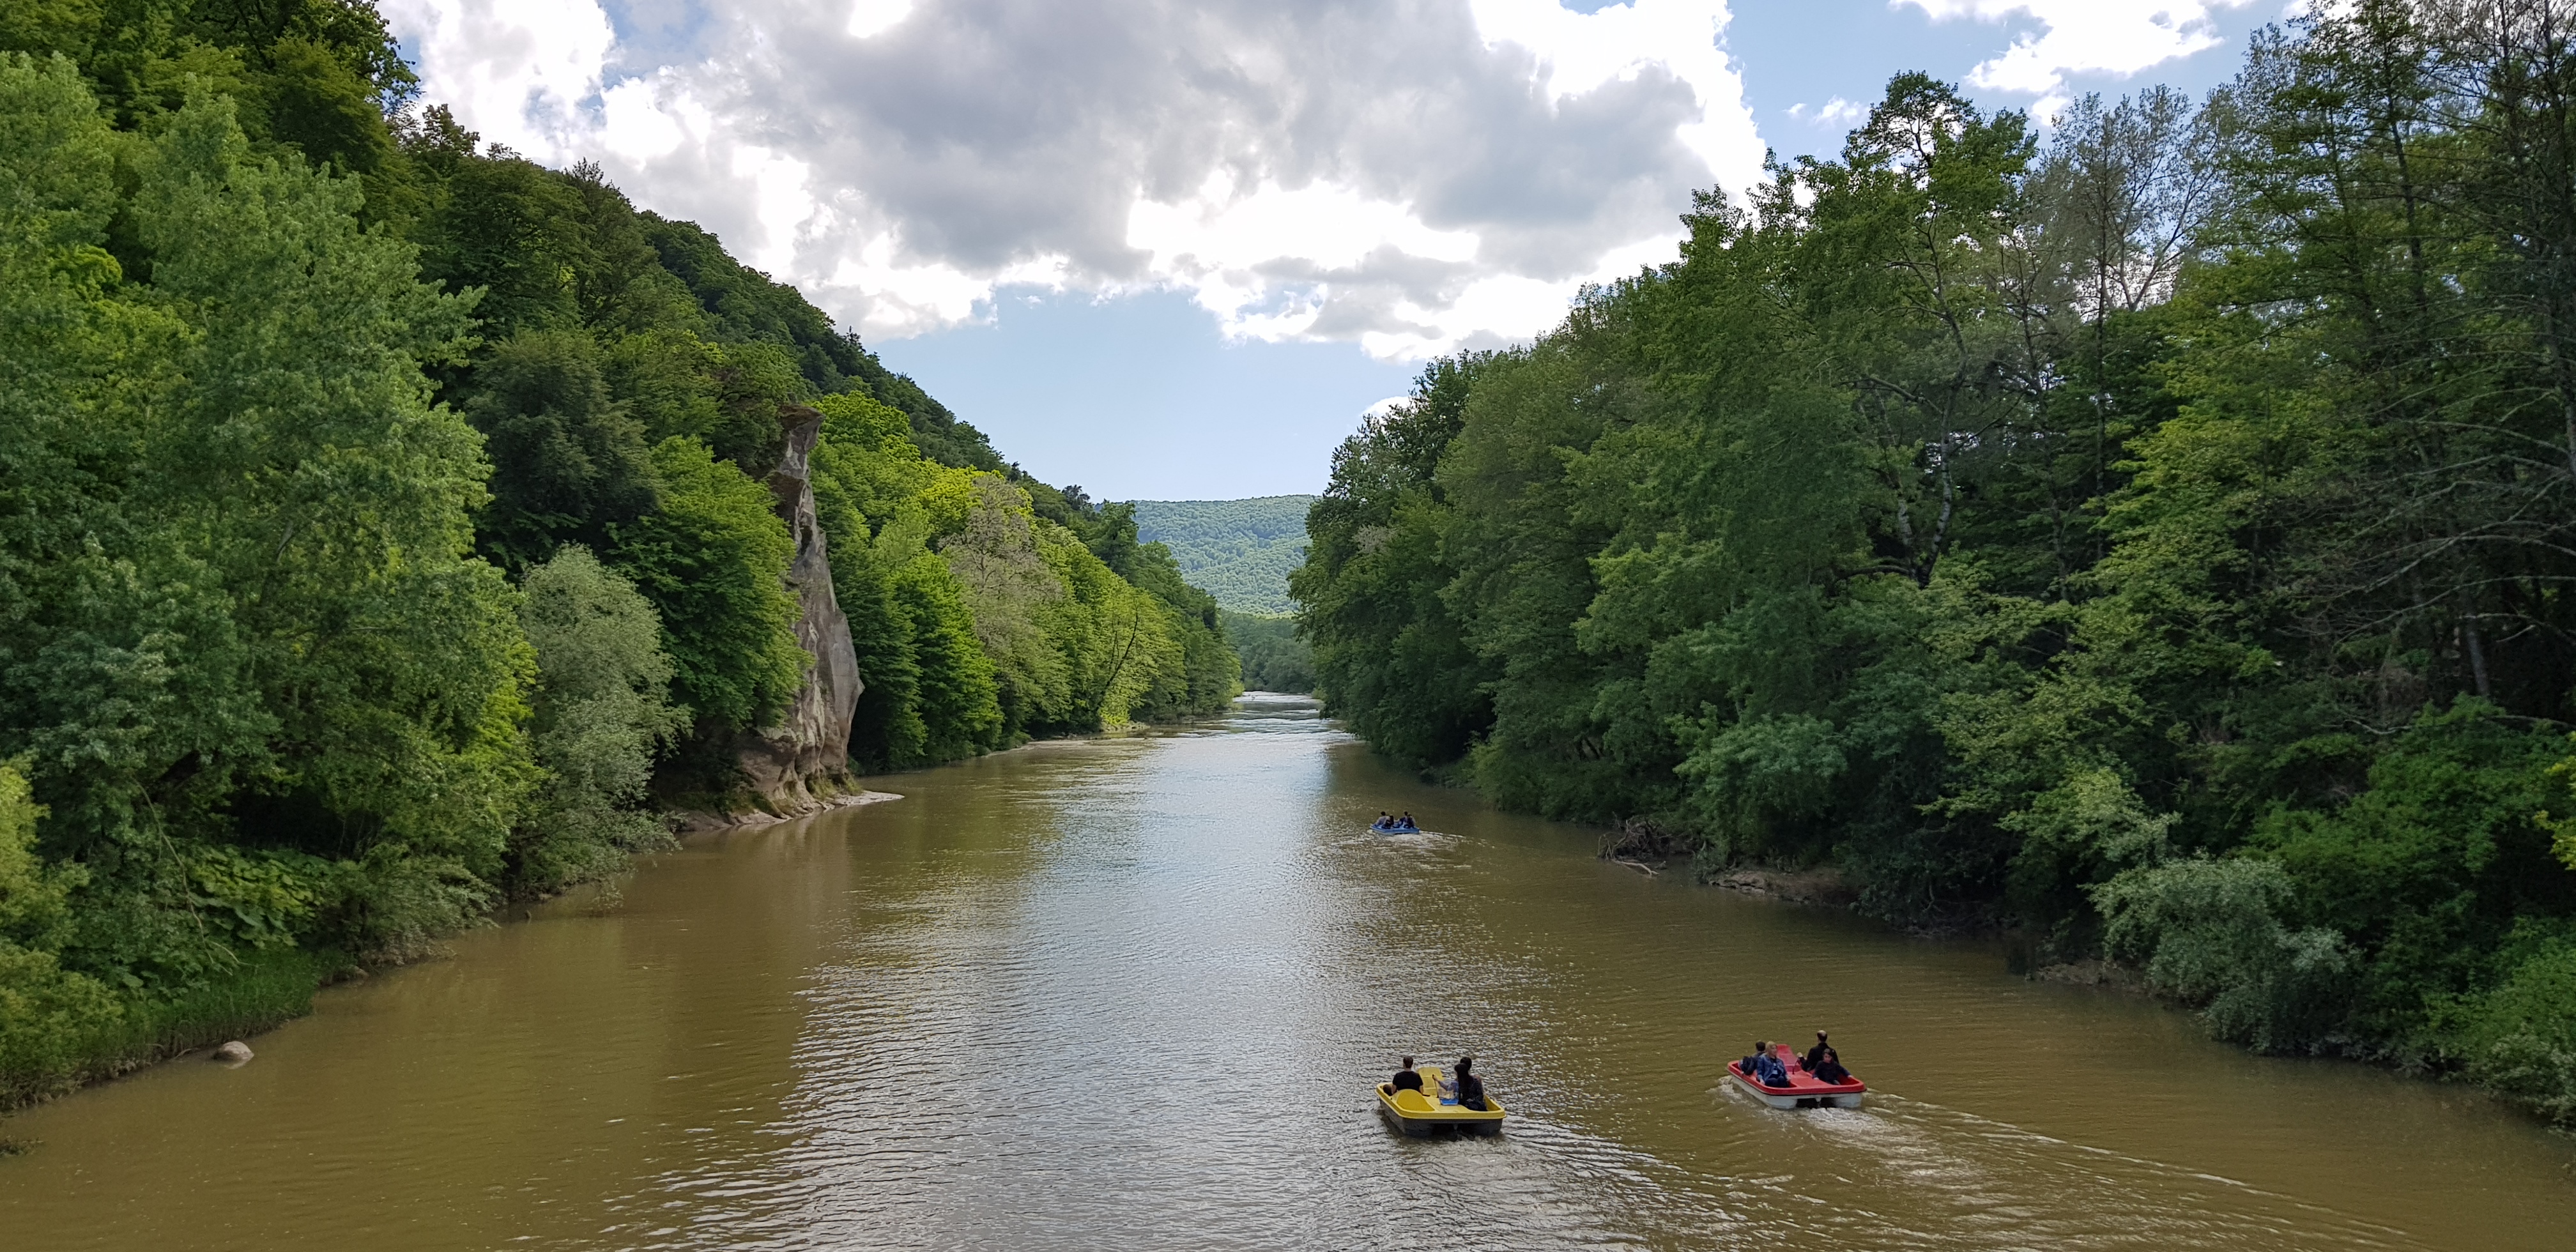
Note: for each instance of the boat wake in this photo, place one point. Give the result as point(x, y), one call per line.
point(2004, 1185)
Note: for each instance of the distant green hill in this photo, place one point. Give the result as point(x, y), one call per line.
point(1239, 551)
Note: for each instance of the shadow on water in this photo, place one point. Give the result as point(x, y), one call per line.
point(1134, 992)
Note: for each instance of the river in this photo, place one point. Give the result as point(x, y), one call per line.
point(1132, 992)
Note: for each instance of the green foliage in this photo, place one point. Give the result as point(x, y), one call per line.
point(601, 716)
point(1076, 646)
point(2562, 829)
point(931, 693)
point(243, 596)
point(46, 1015)
point(2520, 1037)
point(2209, 933)
point(261, 900)
point(1240, 551)
point(290, 374)
point(1391, 658)
point(34, 896)
point(1006, 583)
point(744, 305)
point(46, 1052)
point(507, 226)
point(1205, 674)
point(713, 563)
point(44, 1009)
point(1274, 658)
point(2152, 542)
point(569, 462)
point(2429, 870)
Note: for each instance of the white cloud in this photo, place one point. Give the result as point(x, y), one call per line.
point(520, 71)
point(2117, 37)
point(1834, 112)
point(871, 17)
point(1412, 175)
point(1582, 51)
point(1324, 224)
point(1384, 409)
point(1491, 301)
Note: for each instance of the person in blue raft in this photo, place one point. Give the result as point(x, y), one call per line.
point(1388, 825)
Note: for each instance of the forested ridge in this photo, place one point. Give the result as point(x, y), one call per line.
point(387, 529)
point(1239, 550)
point(2154, 539)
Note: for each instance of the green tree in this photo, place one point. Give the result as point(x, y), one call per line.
point(931, 692)
point(1007, 583)
point(1274, 658)
point(2209, 932)
point(1390, 657)
point(46, 1012)
point(713, 562)
point(601, 714)
point(254, 605)
point(568, 461)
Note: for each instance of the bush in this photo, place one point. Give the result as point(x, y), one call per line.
point(2520, 1038)
point(46, 1013)
point(601, 715)
point(45, 1010)
point(2208, 933)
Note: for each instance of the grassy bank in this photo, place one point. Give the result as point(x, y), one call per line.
point(269, 988)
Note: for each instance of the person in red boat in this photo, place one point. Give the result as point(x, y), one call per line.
point(1815, 1055)
point(1829, 1068)
point(1767, 1068)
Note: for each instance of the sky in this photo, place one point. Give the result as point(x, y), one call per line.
point(1167, 249)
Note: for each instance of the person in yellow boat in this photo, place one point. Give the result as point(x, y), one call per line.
point(1406, 1079)
point(1471, 1089)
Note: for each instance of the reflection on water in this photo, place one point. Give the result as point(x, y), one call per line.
point(1132, 992)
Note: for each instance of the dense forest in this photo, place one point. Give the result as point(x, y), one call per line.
point(387, 528)
point(1239, 550)
point(1274, 657)
point(2154, 539)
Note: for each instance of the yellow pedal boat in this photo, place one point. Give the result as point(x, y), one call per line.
point(1417, 1114)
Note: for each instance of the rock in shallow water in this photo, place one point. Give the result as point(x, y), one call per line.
point(233, 1053)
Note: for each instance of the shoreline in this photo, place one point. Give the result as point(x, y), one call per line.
point(266, 993)
point(700, 821)
point(1824, 887)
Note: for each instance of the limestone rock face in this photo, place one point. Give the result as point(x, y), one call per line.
point(801, 764)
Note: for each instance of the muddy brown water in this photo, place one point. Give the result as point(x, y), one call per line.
point(1133, 992)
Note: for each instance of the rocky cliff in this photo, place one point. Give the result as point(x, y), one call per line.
point(801, 764)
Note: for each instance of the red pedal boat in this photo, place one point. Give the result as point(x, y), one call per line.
point(1803, 1091)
